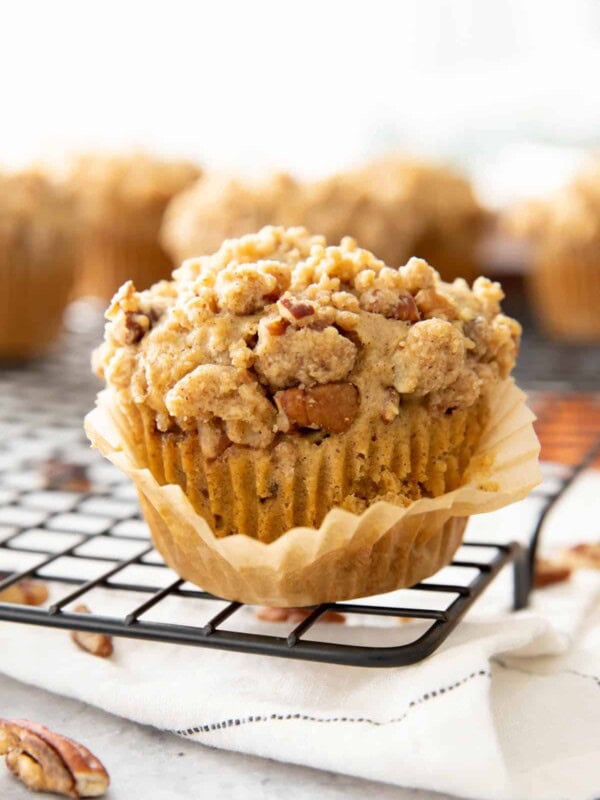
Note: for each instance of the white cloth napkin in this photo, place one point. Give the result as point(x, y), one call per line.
point(507, 709)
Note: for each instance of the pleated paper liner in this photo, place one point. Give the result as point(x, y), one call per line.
point(350, 555)
point(111, 256)
point(36, 280)
point(565, 291)
point(263, 493)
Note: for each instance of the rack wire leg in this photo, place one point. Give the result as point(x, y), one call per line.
point(522, 578)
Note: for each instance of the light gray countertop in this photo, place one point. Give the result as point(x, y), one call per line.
point(146, 763)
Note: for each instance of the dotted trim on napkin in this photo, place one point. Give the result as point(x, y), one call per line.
point(230, 723)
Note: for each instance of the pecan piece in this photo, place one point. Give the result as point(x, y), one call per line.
point(64, 476)
point(432, 304)
point(331, 407)
point(583, 556)
point(137, 326)
point(272, 614)
point(278, 326)
point(25, 593)
point(48, 762)
point(296, 309)
point(549, 572)
point(392, 304)
point(98, 644)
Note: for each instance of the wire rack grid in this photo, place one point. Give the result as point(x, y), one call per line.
point(94, 539)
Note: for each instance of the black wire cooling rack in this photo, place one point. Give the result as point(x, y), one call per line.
point(91, 541)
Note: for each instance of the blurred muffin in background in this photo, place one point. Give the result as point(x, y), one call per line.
point(396, 208)
point(38, 243)
point(221, 207)
point(564, 232)
point(122, 200)
point(399, 207)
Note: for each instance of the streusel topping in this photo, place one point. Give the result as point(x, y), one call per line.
point(278, 334)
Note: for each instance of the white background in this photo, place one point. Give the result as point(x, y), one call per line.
point(308, 86)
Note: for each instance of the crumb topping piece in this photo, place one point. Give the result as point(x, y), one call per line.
point(277, 333)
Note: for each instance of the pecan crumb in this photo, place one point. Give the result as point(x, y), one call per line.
point(45, 761)
point(136, 326)
point(297, 310)
point(331, 407)
point(273, 614)
point(550, 572)
point(98, 644)
point(583, 556)
point(65, 476)
point(278, 326)
point(26, 593)
point(391, 304)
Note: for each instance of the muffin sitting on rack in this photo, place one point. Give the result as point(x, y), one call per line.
point(282, 384)
point(122, 200)
point(38, 238)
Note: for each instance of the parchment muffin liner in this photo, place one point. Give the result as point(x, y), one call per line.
point(37, 278)
point(350, 555)
point(114, 253)
point(565, 290)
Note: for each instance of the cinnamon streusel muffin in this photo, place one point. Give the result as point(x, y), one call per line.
point(565, 277)
point(122, 200)
point(281, 377)
point(399, 207)
point(38, 235)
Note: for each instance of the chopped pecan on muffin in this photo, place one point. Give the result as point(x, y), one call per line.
point(280, 347)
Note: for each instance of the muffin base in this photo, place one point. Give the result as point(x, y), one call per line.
point(386, 547)
point(263, 493)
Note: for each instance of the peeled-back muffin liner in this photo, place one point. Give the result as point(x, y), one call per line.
point(385, 548)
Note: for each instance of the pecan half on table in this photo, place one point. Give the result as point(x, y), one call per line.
point(48, 762)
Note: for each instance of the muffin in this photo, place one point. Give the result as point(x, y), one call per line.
point(222, 206)
point(400, 207)
point(122, 200)
point(394, 207)
point(38, 235)
point(280, 378)
point(564, 279)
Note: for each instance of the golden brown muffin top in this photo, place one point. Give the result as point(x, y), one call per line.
point(33, 205)
point(108, 185)
point(569, 218)
point(277, 333)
